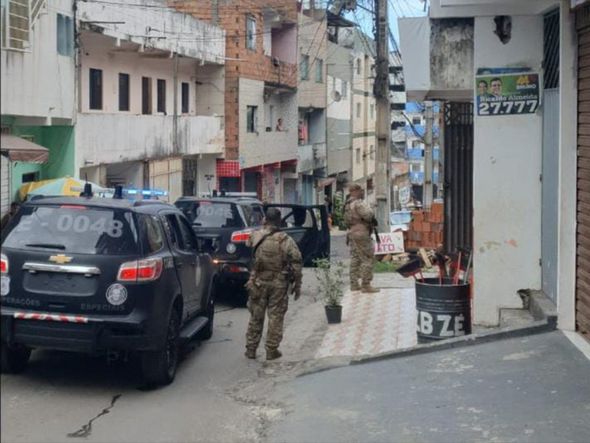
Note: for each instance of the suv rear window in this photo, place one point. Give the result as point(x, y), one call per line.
point(74, 229)
point(209, 214)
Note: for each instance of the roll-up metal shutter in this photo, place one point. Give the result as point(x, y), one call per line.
point(583, 205)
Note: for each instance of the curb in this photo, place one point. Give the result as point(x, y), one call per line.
point(536, 327)
point(542, 309)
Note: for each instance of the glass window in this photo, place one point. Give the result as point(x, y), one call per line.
point(250, 32)
point(210, 214)
point(123, 92)
point(65, 35)
point(296, 218)
point(358, 110)
point(319, 70)
point(74, 229)
point(358, 155)
point(304, 67)
point(252, 118)
point(344, 88)
point(254, 214)
point(185, 90)
point(358, 66)
point(95, 85)
point(161, 105)
point(146, 95)
point(153, 230)
point(372, 110)
point(188, 238)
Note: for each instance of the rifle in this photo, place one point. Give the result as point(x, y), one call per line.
point(374, 226)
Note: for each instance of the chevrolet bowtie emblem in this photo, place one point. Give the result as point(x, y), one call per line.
point(60, 259)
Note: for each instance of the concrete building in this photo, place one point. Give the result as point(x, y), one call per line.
point(364, 141)
point(37, 90)
point(150, 98)
point(260, 88)
point(339, 109)
point(415, 130)
point(530, 215)
point(311, 103)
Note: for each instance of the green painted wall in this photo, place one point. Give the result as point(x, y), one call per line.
point(60, 142)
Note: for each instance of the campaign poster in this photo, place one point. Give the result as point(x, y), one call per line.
point(499, 92)
point(390, 243)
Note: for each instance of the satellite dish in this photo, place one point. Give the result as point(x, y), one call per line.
point(336, 96)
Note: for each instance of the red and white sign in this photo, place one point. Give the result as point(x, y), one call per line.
point(392, 243)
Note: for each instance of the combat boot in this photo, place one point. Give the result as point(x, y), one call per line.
point(368, 289)
point(251, 354)
point(273, 355)
point(355, 287)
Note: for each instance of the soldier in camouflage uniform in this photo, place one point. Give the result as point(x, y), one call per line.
point(359, 217)
point(277, 267)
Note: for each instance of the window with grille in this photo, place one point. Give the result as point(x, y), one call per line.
point(18, 18)
point(551, 50)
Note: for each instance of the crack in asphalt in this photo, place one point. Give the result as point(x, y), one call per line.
point(86, 429)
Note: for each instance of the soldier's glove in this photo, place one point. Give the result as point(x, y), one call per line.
point(297, 293)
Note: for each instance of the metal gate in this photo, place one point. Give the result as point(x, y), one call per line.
point(458, 173)
point(583, 219)
point(550, 186)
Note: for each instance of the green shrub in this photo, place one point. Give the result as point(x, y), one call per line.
point(385, 266)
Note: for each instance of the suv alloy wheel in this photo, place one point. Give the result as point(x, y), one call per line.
point(159, 367)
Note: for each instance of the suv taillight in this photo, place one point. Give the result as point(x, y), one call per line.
point(3, 264)
point(141, 270)
point(241, 236)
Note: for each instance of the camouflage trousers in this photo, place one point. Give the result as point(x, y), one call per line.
point(272, 298)
point(362, 259)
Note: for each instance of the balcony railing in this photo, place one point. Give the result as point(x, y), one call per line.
point(113, 138)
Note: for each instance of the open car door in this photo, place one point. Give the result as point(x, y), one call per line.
point(308, 226)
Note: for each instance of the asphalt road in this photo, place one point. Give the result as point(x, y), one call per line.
point(533, 389)
point(218, 394)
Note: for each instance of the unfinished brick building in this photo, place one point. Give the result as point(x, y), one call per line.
point(260, 88)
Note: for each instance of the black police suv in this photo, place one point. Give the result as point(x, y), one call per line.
point(95, 274)
point(224, 223)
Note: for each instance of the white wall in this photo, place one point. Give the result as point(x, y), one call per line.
point(100, 53)
point(207, 42)
point(507, 190)
point(40, 83)
point(114, 138)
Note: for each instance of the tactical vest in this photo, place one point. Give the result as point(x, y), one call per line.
point(269, 260)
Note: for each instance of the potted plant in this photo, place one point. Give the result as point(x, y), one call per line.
point(331, 287)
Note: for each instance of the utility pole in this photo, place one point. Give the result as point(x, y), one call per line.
point(428, 164)
point(383, 124)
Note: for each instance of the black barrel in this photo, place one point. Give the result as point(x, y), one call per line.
point(444, 311)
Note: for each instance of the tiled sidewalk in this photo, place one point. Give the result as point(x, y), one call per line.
point(374, 323)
